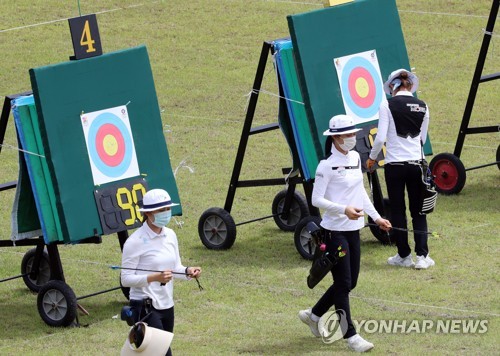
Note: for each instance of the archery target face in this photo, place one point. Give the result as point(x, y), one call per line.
point(361, 85)
point(110, 145)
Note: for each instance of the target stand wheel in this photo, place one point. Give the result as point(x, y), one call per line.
point(217, 229)
point(43, 273)
point(302, 238)
point(384, 237)
point(57, 303)
point(298, 210)
point(449, 173)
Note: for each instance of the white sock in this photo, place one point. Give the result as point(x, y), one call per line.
point(314, 317)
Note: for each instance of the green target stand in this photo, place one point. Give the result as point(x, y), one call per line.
point(343, 55)
point(333, 64)
point(103, 137)
point(92, 143)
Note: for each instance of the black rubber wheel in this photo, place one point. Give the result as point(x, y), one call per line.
point(217, 229)
point(381, 235)
point(303, 239)
point(498, 156)
point(298, 210)
point(43, 273)
point(57, 303)
point(449, 173)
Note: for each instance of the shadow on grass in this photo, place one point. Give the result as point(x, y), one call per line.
point(22, 314)
point(478, 195)
point(100, 310)
point(19, 307)
point(297, 346)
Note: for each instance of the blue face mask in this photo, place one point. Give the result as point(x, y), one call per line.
point(163, 218)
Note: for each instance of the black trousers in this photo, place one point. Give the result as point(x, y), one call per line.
point(160, 319)
point(399, 176)
point(345, 276)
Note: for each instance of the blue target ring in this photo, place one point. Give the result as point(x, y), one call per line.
point(119, 169)
point(352, 66)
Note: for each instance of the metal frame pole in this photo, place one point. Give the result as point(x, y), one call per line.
point(252, 104)
point(476, 80)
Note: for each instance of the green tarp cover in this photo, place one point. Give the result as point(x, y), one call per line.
point(24, 218)
point(34, 189)
point(297, 116)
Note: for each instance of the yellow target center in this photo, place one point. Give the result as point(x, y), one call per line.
point(362, 87)
point(110, 145)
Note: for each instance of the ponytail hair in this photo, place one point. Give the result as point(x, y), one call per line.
point(405, 81)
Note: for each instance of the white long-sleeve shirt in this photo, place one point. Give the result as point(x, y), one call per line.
point(145, 249)
point(399, 149)
point(338, 184)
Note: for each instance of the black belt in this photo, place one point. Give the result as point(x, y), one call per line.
point(417, 162)
point(146, 304)
point(329, 233)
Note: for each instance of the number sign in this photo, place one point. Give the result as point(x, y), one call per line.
point(118, 205)
point(85, 36)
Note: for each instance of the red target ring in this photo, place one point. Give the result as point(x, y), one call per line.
point(110, 145)
point(362, 87)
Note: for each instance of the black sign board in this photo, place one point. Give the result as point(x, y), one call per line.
point(85, 36)
point(118, 205)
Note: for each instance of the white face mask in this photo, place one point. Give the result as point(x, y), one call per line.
point(349, 143)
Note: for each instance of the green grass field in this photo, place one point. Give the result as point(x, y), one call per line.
point(204, 56)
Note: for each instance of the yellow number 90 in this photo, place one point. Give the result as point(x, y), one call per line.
point(130, 202)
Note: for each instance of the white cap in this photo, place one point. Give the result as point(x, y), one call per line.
point(156, 199)
point(340, 125)
point(412, 77)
